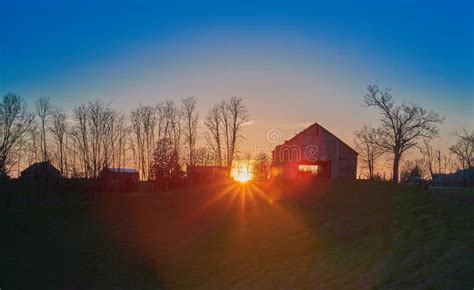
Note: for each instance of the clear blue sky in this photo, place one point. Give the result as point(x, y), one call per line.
point(316, 56)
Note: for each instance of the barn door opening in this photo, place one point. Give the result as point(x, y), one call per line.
point(317, 169)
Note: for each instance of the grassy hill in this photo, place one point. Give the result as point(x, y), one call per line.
point(328, 235)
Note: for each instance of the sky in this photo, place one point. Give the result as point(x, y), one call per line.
point(293, 62)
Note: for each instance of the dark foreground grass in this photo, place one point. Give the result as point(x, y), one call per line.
point(339, 235)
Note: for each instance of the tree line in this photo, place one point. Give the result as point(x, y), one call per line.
point(404, 127)
point(158, 140)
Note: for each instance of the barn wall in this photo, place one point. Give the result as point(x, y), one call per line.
point(316, 144)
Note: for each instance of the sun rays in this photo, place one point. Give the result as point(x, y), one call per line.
point(241, 172)
point(224, 227)
point(243, 193)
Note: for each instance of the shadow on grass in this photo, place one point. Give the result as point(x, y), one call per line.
point(336, 235)
point(66, 247)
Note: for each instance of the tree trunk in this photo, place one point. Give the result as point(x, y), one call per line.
point(371, 171)
point(396, 163)
point(219, 154)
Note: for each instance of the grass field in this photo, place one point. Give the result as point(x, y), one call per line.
point(339, 235)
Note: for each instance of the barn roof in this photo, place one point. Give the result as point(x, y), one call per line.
point(39, 166)
point(316, 124)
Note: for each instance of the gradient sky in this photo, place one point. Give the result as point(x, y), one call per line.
point(294, 63)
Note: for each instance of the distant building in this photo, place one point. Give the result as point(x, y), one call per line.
point(462, 177)
point(120, 179)
point(41, 172)
point(314, 152)
point(206, 173)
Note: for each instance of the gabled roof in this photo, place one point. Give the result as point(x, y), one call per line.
point(314, 125)
point(39, 166)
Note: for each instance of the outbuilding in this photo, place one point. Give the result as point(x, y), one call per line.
point(41, 172)
point(314, 152)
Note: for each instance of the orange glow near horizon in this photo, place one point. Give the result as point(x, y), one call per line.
point(243, 177)
point(241, 173)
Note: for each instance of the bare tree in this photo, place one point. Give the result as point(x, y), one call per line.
point(464, 148)
point(430, 157)
point(225, 118)
point(139, 142)
point(261, 166)
point(94, 134)
point(99, 117)
point(213, 124)
point(412, 171)
point(58, 129)
point(234, 115)
point(81, 136)
point(148, 124)
point(446, 164)
point(402, 126)
point(120, 141)
point(32, 136)
point(148, 120)
point(44, 110)
point(203, 156)
point(369, 151)
point(190, 116)
point(173, 124)
point(20, 152)
point(14, 123)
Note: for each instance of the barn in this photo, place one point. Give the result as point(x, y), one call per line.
point(314, 152)
point(119, 179)
point(41, 172)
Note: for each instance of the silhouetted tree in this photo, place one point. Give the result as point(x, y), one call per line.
point(121, 130)
point(225, 121)
point(99, 118)
point(14, 123)
point(149, 123)
point(430, 157)
point(369, 151)
point(402, 126)
point(93, 136)
point(190, 116)
point(80, 135)
point(411, 172)
point(166, 169)
point(464, 148)
point(213, 124)
point(173, 125)
point(58, 129)
point(32, 137)
point(139, 142)
point(261, 166)
point(204, 156)
point(234, 114)
point(44, 110)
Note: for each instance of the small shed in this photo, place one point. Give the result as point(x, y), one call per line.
point(41, 172)
point(120, 179)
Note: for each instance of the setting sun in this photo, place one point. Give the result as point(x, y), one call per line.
point(241, 173)
point(243, 177)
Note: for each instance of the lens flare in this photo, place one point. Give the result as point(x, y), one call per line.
point(241, 173)
point(243, 177)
